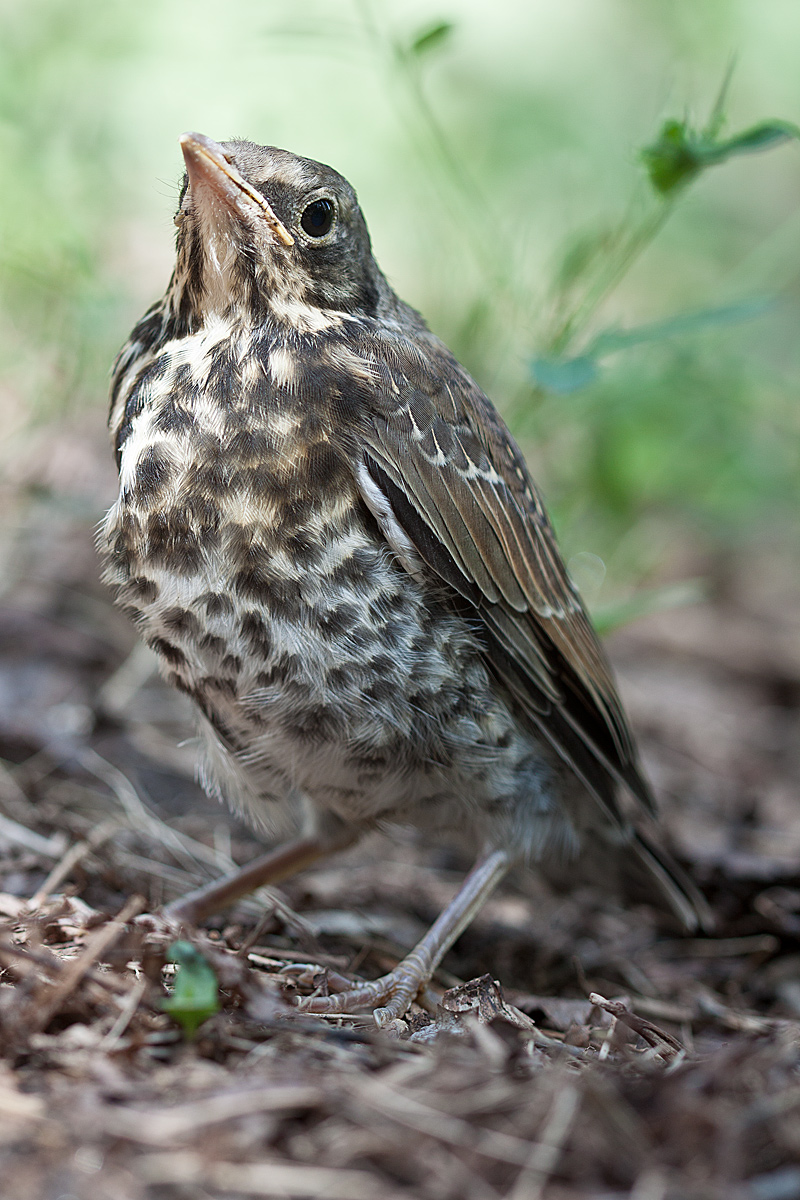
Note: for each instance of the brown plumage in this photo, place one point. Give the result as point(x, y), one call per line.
point(332, 541)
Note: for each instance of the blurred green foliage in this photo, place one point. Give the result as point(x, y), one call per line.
point(59, 309)
point(525, 179)
point(680, 154)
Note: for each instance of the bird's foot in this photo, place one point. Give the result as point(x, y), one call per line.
point(389, 997)
point(158, 927)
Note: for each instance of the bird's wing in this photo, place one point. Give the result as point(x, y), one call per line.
point(441, 470)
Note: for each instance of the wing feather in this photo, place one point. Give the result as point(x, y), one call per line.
point(458, 486)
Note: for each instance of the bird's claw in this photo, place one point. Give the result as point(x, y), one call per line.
point(158, 926)
point(389, 997)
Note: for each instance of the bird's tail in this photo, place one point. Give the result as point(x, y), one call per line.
point(624, 861)
point(677, 889)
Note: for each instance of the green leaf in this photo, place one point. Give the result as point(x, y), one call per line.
point(608, 617)
point(431, 38)
point(760, 137)
point(564, 375)
point(612, 340)
point(195, 993)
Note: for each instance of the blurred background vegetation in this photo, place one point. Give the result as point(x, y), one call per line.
point(498, 157)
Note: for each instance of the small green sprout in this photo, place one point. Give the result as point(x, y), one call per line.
point(195, 992)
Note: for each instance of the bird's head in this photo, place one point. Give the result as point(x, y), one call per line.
point(266, 235)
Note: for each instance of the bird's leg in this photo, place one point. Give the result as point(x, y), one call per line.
point(397, 989)
point(271, 867)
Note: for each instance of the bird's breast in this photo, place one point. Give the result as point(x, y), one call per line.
point(234, 502)
point(241, 546)
point(243, 550)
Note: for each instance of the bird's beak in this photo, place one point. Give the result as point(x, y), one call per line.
point(208, 166)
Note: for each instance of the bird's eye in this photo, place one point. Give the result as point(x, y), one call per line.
point(317, 218)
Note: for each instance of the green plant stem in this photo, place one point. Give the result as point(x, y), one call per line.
point(486, 238)
point(609, 277)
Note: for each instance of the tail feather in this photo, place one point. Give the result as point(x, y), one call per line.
point(626, 862)
point(679, 891)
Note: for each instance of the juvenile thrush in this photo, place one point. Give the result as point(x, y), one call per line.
point(333, 544)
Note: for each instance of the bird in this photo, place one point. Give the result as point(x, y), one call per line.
point(330, 539)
